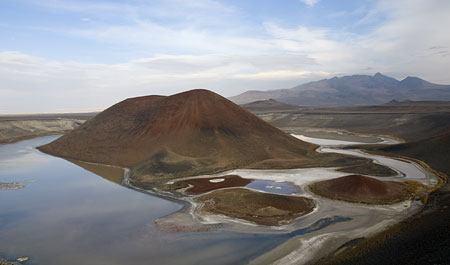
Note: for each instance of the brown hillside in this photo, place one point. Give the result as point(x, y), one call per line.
point(189, 133)
point(356, 188)
point(434, 150)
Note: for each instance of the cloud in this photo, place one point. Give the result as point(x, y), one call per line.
point(211, 47)
point(148, 35)
point(317, 43)
point(114, 11)
point(310, 3)
point(399, 45)
point(282, 74)
point(73, 86)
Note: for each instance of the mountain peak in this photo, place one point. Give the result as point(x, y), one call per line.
point(189, 133)
point(378, 74)
point(412, 82)
point(412, 78)
point(197, 92)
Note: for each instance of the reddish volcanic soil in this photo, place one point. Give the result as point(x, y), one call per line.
point(202, 185)
point(187, 134)
point(356, 188)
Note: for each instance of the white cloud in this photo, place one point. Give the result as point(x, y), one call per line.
point(317, 43)
point(209, 11)
point(152, 36)
point(411, 40)
point(73, 86)
point(282, 74)
point(400, 45)
point(310, 2)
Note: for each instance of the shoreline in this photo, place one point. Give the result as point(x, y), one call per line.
point(29, 137)
point(290, 253)
point(188, 207)
point(19, 128)
point(329, 240)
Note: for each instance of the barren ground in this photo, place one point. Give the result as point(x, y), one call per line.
point(258, 207)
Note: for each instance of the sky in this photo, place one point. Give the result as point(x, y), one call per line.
point(85, 55)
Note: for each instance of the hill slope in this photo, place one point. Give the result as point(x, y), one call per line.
point(434, 150)
point(190, 133)
point(421, 239)
point(357, 188)
point(352, 90)
point(268, 105)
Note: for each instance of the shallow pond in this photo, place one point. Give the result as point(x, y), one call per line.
point(276, 187)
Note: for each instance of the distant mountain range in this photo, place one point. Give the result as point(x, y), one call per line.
point(352, 90)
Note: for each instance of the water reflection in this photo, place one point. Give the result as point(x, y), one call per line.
point(68, 215)
point(111, 173)
point(280, 187)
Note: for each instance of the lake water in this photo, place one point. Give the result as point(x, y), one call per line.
point(406, 169)
point(67, 215)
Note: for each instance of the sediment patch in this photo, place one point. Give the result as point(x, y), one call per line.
point(257, 207)
point(202, 185)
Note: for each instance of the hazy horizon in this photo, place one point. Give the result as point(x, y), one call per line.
point(79, 56)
